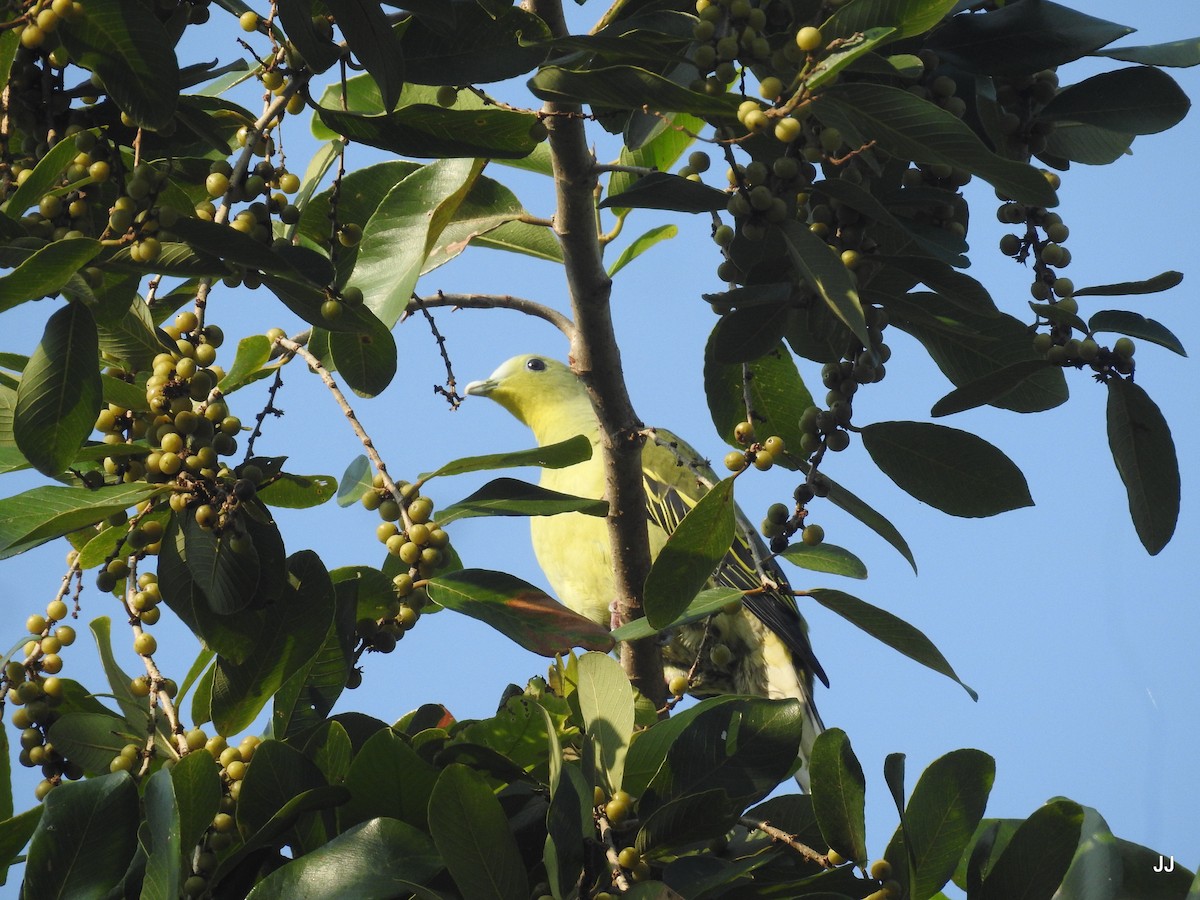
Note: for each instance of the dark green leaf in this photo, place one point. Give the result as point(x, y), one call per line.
point(777, 395)
point(1139, 100)
point(15, 831)
point(132, 54)
point(876, 521)
point(164, 868)
point(373, 43)
point(887, 628)
point(906, 125)
point(518, 610)
point(1137, 326)
point(60, 391)
point(472, 834)
point(989, 388)
point(941, 816)
point(839, 794)
point(367, 360)
point(226, 574)
point(908, 17)
point(688, 558)
point(552, 456)
point(278, 774)
point(893, 774)
point(1142, 879)
point(381, 858)
point(660, 152)
point(133, 708)
point(45, 513)
point(388, 777)
point(706, 815)
point(853, 48)
point(485, 45)
point(1183, 53)
point(45, 178)
point(511, 497)
point(1037, 857)
point(825, 558)
point(827, 276)
point(627, 87)
point(1144, 452)
point(662, 190)
point(1096, 870)
point(239, 692)
point(1087, 144)
point(318, 51)
point(85, 839)
point(1163, 282)
point(568, 825)
point(488, 208)
point(747, 334)
point(197, 793)
point(430, 131)
point(955, 471)
point(1022, 38)
point(93, 739)
point(45, 271)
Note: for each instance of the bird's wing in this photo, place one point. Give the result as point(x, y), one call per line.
point(671, 490)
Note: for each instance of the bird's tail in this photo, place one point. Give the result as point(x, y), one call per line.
point(787, 681)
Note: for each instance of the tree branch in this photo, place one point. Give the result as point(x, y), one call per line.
point(596, 357)
point(501, 301)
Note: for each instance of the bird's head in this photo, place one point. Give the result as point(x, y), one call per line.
point(542, 392)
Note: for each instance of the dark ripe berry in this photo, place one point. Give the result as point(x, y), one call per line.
point(779, 543)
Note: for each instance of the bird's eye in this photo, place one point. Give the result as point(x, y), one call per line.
point(536, 365)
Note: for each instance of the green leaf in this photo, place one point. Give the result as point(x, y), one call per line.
point(955, 471)
point(164, 870)
point(85, 839)
point(388, 777)
point(777, 395)
point(489, 42)
point(552, 456)
point(518, 610)
point(662, 190)
point(356, 480)
point(1144, 453)
point(472, 834)
point(825, 558)
point(748, 333)
point(1096, 870)
point(367, 360)
point(278, 774)
point(989, 388)
point(488, 207)
point(893, 774)
point(1087, 144)
point(606, 704)
point(132, 708)
point(226, 575)
point(1163, 282)
point(907, 17)
point(641, 244)
point(1138, 100)
point(253, 352)
point(941, 817)
point(511, 497)
point(1182, 54)
point(318, 52)
point(404, 229)
point(93, 738)
point(627, 88)
point(854, 46)
point(706, 815)
point(197, 794)
point(707, 603)
point(46, 270)
point(45, 178)
point(889, 629)
point(916, 129)
point(15, 831)
point(1137, 326)
point(839, 794)
point(44, 513)
point(1022, 38)
point(132, 54)
point(298, 491)
point(686, 561)
point(1036, 859)
point(827, 276)
point(239, 692)
point(376, 859)
point(660, 152)
point(60, 391)
point(373, 42)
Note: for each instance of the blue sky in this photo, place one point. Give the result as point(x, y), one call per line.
point(1082, 648)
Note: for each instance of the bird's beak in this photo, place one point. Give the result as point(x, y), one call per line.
point(481, 388)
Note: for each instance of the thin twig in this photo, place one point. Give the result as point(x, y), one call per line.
point(610, 852)
point(782, 837)
point(450, 391)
